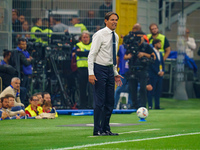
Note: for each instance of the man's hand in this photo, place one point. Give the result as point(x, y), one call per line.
point(141, 54)
point(92, 79)
point(118, 80)
point(17, 117)
point(128, 56)
point(161, 73)
point(4, 115)
point(22, 114)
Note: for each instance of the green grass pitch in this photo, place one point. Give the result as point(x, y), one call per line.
point(175, 127)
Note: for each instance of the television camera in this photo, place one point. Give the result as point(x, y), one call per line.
point(132, 45)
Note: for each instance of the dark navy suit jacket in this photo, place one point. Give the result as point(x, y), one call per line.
point(154, 67)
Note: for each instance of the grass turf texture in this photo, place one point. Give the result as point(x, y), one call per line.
point(178, 117)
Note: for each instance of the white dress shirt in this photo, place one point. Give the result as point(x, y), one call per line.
point(190, 47)
point(101, 51)
point(157, 53)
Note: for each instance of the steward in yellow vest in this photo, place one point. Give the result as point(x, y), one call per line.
point(47, 30)
point(36, 29)
point(165, 48)
point(81, 50)
point(33, 109)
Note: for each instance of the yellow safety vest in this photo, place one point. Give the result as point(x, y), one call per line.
point(160, 37)
point(82, 61)
point(32, 112)
point(48, 35)
point(33, 29)
point(83, 27)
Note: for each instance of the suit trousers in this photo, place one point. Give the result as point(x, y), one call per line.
point(103, 97)
point(156, 83)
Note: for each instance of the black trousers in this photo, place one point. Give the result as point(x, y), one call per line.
point(140, 77)
point(103, 97)
point(85, 88)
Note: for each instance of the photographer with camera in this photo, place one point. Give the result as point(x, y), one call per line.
point(140, 55)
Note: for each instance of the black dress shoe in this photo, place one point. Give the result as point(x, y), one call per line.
point(110, 133)
point(99, 133)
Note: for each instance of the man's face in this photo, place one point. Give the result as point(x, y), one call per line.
point(39, 22)
point(47, 97)
point(11, 101)
point(34, 101)
point(40, 99)
point(91, 14)
point(111, 23)
point(14, 16)
point(16, 84)
point(5, 103)
point(85, 38)
point(22, 45)
point(21, 18)
point(158, 45)
point(154, 29)
point(25, 26)
point(9, 55)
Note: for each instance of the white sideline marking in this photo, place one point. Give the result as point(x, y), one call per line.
point(125, 141)
point(132, 132)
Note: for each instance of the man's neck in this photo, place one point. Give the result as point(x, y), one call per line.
point(6, 61)
point(155, 35)
point(34, 108)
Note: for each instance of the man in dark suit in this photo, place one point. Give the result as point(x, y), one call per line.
point(156, 72)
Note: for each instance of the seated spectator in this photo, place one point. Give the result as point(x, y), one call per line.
point(46, 106)
point(76, 23)
point(4, 115)
point(59, 26)
point(12, 110)
point(47, 97)
point(13, 89)
point(91, 22)
point(33, 109)
point(41, 100)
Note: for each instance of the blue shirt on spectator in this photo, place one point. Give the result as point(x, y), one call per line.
point(3, 62)
point(123, 65)
point(26, 69)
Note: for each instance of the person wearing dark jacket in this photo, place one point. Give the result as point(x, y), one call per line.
point(82, 50)
point(156, 72)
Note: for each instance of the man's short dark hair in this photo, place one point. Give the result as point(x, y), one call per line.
point(31, 98)
point(44, 93)
point(6, 53)
point(21, 39)
point(9, 95)
point(152, 24)
point(138, 32)
point(2, 99)
point(155, 41)
point(35, 20)
point(107, 16)
point(57, 17)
